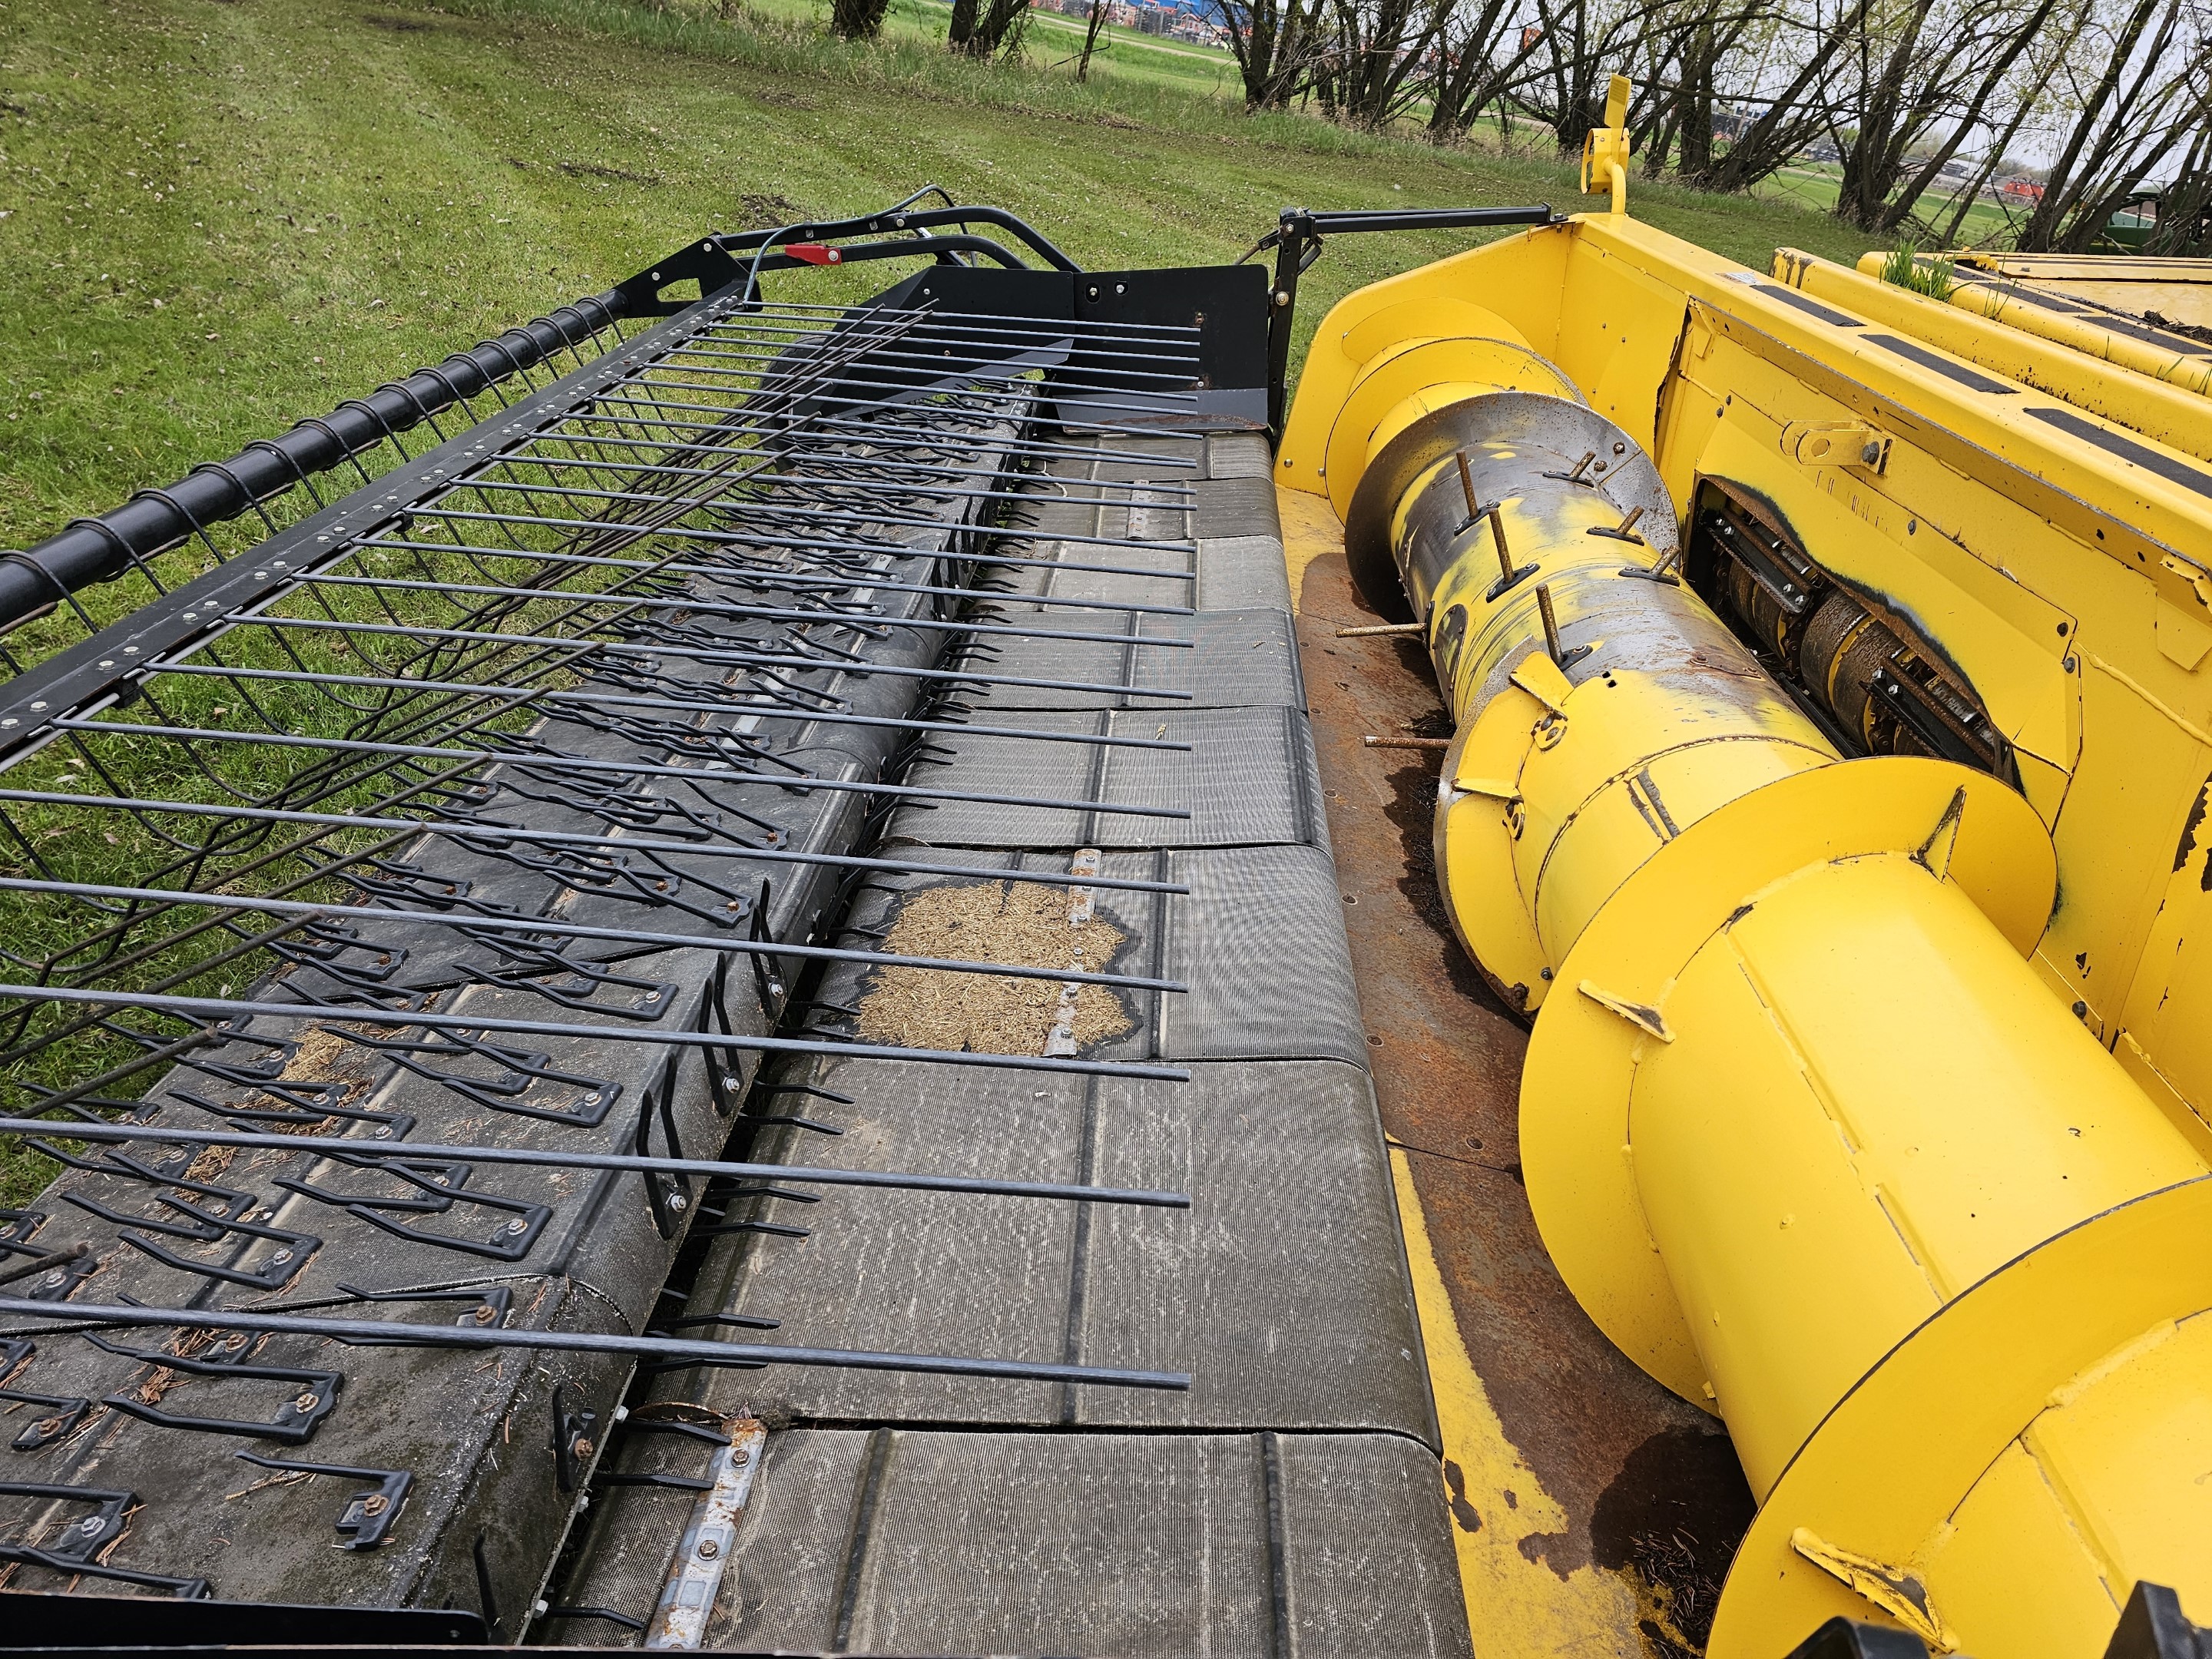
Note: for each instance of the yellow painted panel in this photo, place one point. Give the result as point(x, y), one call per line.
point(2116, 837)
point(2011, 1526)
point(1309, 532)
point(2127, 1448)
point(1519, 278)
point(1517, 1607)
point(1618, 329)
point(1790, 1280)
point(1938, 1047)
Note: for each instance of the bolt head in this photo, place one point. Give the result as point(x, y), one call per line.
point(307, 1402)
point(375, 1504)
point(582, 1446)
point(708, 1549)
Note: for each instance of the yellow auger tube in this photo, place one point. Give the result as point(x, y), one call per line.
point(1801, 1129)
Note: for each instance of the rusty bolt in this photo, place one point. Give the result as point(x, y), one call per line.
point(235, 1341)
point(582, 1447)
point(486, 1314)
point(375, 1504)
point(739, 1458)
point(47, 1425)
point(708, 1549)
point(307, 1402)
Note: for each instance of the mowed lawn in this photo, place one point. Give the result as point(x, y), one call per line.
point(217, 216)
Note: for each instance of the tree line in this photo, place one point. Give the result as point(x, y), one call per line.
point(1924, 106)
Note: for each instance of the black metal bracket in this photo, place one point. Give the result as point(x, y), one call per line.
point(573, 1447)
point(368, 1516)
point(1297, 243)
point(295, 1422)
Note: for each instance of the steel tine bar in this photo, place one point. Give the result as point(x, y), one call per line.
point(774, 575)
point(893, 388)
point(370, 1333)
point(465, 831)
point(359, 1014)
point(745, 539)
point(797, 782)
point(779, 577)
point(943, 490)
point(720, 608)
point(627, 1163)
point(812, 315)
point(787, 510)
point(308, 911)
point(875, 432)
point(937, 318)
point(785, 711)
point(947, 366)
point(736, 652)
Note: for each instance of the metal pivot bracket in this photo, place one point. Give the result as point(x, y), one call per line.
point(368, 1516)
point(574, 1445)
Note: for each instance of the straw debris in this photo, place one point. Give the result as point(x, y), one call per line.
point(1023, 924)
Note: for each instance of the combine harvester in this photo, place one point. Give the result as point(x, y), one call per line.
point(714, 1013)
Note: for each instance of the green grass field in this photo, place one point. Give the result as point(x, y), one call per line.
point(221, 215)
point(1816, 183)
point(217, 216)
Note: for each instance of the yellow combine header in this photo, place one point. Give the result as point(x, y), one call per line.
point(1848, 847)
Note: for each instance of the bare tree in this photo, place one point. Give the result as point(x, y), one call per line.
point(2006, 46)
point(2148, 90)
point(857, 19)
point(981, 27)
point(1792, 120)
point(1581, 47)
point(1275, 43)
point(1465, 74)
point(1370, 72)
point(1690, 46)
point(1092, 25)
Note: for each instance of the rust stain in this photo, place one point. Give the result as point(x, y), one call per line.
point(1651, 1488)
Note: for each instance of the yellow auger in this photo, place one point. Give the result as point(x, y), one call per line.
point(1805, 1129)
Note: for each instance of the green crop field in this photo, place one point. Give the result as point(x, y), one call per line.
point(219, 215)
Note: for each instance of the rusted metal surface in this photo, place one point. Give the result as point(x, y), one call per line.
point(1649, 1485)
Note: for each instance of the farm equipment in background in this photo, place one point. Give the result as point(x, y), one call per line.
point(725, 984)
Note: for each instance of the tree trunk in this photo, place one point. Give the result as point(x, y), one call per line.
point(1091, 27)
point(857, 19)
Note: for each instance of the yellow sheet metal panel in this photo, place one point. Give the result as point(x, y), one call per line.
point(2175, 414)
point(2012, 1522)
point(1791, 1288)
point(2118, 836)
point(1518, 279)
point(1916, 1467)
point(2178, 288)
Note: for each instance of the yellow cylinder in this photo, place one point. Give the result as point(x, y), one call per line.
point(1870, 1104)
point(1797, 1116)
